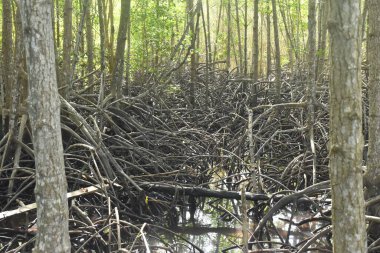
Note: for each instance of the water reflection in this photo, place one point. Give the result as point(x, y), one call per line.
point(210, 233)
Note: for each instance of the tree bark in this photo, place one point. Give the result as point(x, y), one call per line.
point(269, 53)
point(239, 36)
point(7, 60)
point(44, 113)
point(67, 47)
point(229, 34)
point(90, 45)
point(190, 13)
point(311, 83)
point(117, 76)
point(346, 140)
point(372, 177)
point(278, 53)
point(255, 56)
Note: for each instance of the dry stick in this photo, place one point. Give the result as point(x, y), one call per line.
point(144, 238)
point(288, 199)
point(80, 192)
point(109, 223)
point(118, 229)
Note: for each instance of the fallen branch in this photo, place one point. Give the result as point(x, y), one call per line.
point(73, 194)
point(199, 192)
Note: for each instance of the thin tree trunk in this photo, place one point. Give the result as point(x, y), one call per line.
point(217, 29)
point(128, 59)
point(67, 47)
point(58, 24)
point(229, 35)
point(346, 140)
point(311, 83)
point(117, 76)
point(239, 36)
point(208, 32)
point(278, 53)
point(269, 51)
point(255, 56)
point(322, 34)
point(90, 46)
point(44, 113)
point(206, 37)
point(102, 50)
point(110, 46)
point(7, 60)
point(245, 69)
point(77, 47)
point(190, 10)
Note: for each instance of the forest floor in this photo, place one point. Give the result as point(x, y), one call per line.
point(135, 163)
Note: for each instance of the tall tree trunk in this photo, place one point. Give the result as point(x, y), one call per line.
point(311, 83)
point(239, 36)
point(90, 46)
point(206, 38)
point(190, 11)
point(44, 113)
point(102, 50)
point(269, 53)
point(217, 29)
point(110, 49)
point(117, 76)
point(255, 56)
point(322, 34)
point(229, 35)
point(7, 60)
point(58, 24)
point(208, 32)
point(372, 177)
point(278, 52)
point(346, 140)
point(128, 59)
point(245, 68)
point(67, 47)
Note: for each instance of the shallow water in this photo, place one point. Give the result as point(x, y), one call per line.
point(211, 234)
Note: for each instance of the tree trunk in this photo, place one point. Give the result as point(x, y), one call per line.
point(322, 23)
point(7, 60)
point(90, 45)
point(278, 53)
point(102, 50)
point(372, 177)
point(245, 68)
point(44, 113)
point(255, 56)
point(346, 140)
point(128, 59)
point(190, 11)
point(67, 46)
point(239, 37)
point(269, 53)
point(311, 83)
point(229, 34)
point(111, 30)
point(206, 38)
point(117, 76)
